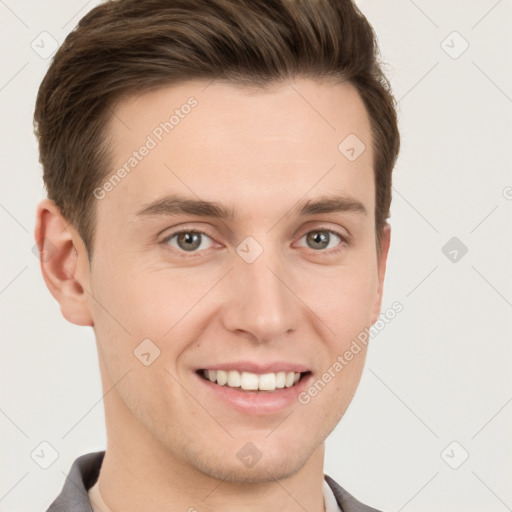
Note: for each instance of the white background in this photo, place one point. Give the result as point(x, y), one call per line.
point(439, 372)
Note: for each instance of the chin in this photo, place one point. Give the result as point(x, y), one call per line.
point(263, 471)
point(247, 464)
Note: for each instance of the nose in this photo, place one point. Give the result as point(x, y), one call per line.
point(261, 303)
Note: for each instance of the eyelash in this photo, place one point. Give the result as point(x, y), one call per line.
point(343, 241)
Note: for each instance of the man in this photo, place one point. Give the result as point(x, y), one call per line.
point(219, 177)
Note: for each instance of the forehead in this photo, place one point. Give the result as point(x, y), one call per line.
point(250, 149)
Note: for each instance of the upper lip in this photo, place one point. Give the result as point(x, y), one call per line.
point(253, 367)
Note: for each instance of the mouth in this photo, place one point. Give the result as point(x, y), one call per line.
point(253, 382)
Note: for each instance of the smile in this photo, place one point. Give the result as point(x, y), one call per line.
point(249, 381)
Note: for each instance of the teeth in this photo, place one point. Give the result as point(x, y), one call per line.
point(222, 377)
point(252, 381)
point(234, 379)
point(267, 381)
point(248, 381)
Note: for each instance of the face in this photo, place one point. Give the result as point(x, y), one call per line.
point(241, 241)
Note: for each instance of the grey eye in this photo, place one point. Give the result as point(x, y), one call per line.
point(189, 241)
point(322, 239)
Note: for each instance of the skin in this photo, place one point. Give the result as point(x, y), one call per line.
point(260, 153)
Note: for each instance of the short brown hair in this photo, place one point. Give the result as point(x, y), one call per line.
point(123, 47)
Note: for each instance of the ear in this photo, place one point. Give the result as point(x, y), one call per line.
point(64, 262)
point(381, 269)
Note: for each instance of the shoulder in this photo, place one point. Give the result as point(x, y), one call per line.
point(345, 500)
point(81, 477)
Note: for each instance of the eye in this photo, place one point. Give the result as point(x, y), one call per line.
point(321, 239)
point(189, 241)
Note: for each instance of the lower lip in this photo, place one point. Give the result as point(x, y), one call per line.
point(257, 402)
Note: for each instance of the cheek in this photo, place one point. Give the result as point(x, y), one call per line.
point(343, 298)
point(347, 309)
point(144, 302)
point(154, 305)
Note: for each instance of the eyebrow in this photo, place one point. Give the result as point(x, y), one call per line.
point(176, 204)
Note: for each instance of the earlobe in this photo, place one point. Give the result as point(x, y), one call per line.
point(64, 262)
point(381, 268)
